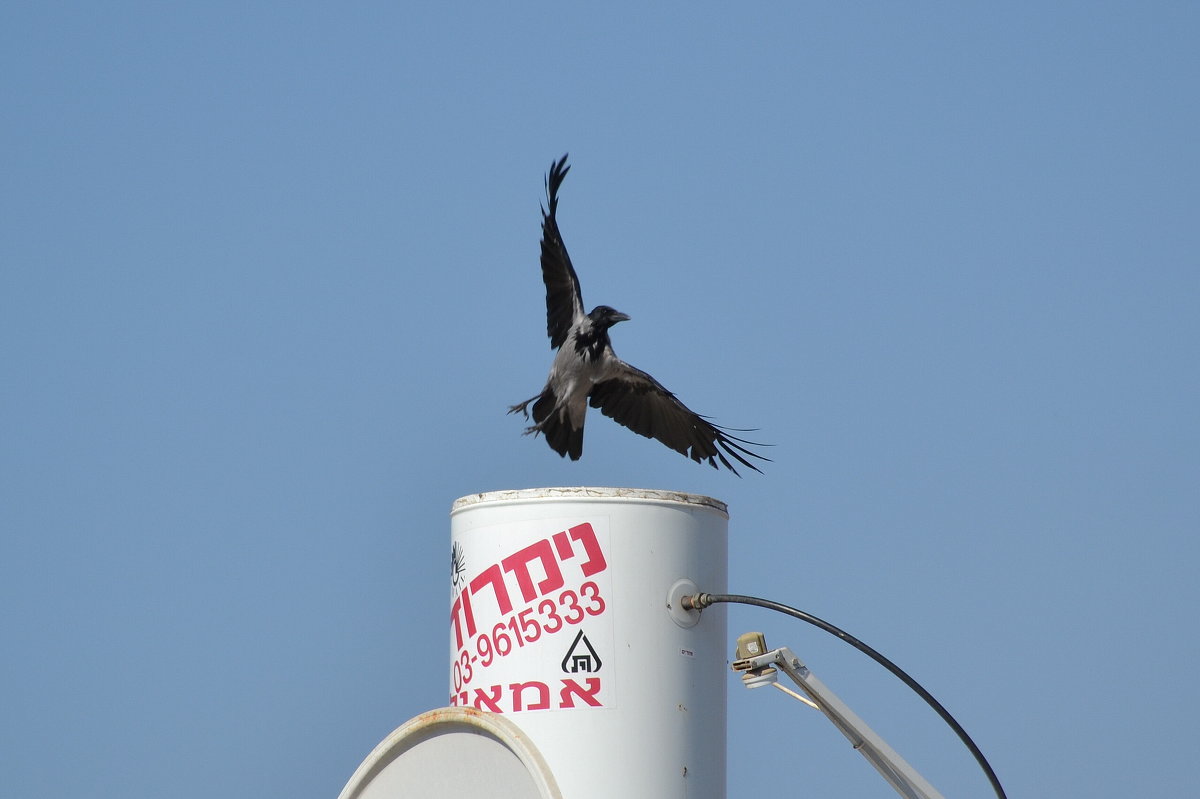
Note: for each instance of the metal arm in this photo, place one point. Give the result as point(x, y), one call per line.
point(900, 775)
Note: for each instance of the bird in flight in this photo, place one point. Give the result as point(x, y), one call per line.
point(587, 371)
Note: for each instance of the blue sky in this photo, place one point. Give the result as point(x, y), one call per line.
point(268, 280)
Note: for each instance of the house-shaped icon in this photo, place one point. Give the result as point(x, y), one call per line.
point(581, 657)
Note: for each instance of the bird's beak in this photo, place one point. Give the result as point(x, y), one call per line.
point(620, 317)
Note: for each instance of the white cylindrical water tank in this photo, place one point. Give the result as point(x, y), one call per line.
point(565, 618)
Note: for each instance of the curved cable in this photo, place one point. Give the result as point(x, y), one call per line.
point(701, 601)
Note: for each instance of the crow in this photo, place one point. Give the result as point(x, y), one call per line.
point(587, 371)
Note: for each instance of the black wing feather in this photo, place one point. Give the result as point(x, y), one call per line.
point(636, 400)
point(564, 300)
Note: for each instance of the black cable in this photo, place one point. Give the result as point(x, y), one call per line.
point(701, 601)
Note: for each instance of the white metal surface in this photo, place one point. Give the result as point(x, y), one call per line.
point(454, 752)
point(565, 618)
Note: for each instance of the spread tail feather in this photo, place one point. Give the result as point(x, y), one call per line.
point(561, 437)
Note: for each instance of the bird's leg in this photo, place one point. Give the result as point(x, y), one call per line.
point(523, 407)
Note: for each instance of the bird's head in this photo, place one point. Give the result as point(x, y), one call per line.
point(605, 317)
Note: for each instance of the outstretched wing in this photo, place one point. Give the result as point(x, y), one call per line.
point(636, 400)
point(564, 300)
